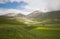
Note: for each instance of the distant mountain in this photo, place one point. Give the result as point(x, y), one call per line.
point(13, 15)
point(20, 15)
point(37, 15)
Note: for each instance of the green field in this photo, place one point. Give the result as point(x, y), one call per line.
point(18, 32)
point(47, 34)
point(12, 29)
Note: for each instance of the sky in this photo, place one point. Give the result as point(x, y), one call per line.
point(28, 6)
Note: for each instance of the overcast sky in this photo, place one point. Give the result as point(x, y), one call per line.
point(27, 6)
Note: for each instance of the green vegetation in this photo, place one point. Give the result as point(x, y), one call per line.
point(13, 29)
point(50, 23)
point(47, 34)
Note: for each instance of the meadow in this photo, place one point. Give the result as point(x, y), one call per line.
point(12, 29)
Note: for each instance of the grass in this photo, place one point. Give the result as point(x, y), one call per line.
point(46, 28)
point(15, 32)
point(21, 32)
point(47, 34)
point(12, 29)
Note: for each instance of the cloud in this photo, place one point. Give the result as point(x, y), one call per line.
point(42, 5)
point(5, 11)
point(15, 0)
point(4, 1)
point(14, 7)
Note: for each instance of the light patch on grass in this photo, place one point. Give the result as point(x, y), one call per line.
point(44, 28)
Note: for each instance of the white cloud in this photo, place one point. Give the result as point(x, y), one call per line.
point(5, 11)
point(15, 0)
point(4, 1)
point(44, 5)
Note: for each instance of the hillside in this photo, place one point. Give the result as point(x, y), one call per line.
point(36, 15)
point(13, 29)
point(47, 19)
point(13, 15)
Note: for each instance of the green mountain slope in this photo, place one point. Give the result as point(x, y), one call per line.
point(47, 19)
point(44, 16)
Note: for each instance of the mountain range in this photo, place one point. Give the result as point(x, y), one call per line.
point(37, 15)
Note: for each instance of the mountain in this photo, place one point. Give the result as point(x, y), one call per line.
point(20, 15)
point(13, 15)
point(13, 18)
point(37, 15)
